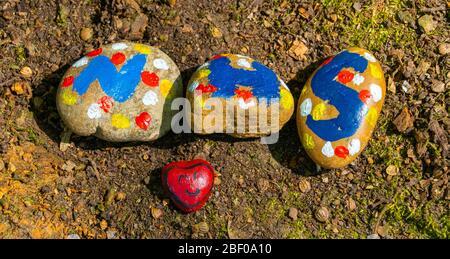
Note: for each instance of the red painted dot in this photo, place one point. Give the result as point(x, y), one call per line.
point(216, 57)
point(143, 120)
point(106, 103)
point(244, 94)
point(327, 61)
point(345, 76)
point(95, 52)
point(118, 58)
point(206, 88)
point(68, 81)
point(150, 79)
point(341, 151)
point(365, 95)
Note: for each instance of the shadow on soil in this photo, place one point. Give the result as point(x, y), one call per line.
point(288, 151)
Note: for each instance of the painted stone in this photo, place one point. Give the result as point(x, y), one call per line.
point(120, 92)
point(188, 183)
point(247, 91)
point(339, 107)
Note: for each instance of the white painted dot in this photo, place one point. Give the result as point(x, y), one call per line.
point(242, 62)
point(354, 146)
point(327, 149)
point(150, 98)
point(119, 46)
point(81, 62)
point(245, 105)
point(160, 63)
point(405, 86)
point(203, 66)
point(358, 79)
point(376, 92)
point(364, 110)
point(193, 86)
point(284, 85)
point(94, 111)
point(305, 107)
point(369, 57)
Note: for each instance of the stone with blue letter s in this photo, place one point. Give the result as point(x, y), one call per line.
point(339, 107)
point(120, 92)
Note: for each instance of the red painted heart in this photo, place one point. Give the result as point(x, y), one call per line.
point(188, 183)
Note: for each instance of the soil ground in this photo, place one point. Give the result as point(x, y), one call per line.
point(53, 185)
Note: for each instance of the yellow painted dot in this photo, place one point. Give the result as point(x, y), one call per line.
point(286, 100)
point(120, 121)
point(303, 91)
point(202, 73)
point(372, 116)
point(308, 141)
point(199, 101)
point(375, 71)
point(165, 87)
point(318, 111)
point(69, 97)
point(356, 50)
point(144, 49)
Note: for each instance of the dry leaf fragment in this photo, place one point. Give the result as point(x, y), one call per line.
point(298, 50)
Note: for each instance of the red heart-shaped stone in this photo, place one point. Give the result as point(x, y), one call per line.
point(188, 183)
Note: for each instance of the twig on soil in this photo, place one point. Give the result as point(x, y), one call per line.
point(94, 166)
point(384, 210)
point(433, 9)
point(6, 82)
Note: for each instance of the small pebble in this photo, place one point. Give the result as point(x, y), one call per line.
point(73, 236)
point(216, 32)
point(293, 213)
point(322, 214)
point(404, 121)
point(357, 6)
point(45, 189)
point(405, 86)
point(120, 196)
point(444, 48)
point(103, 224)
point(156, 213)
point(26, 72)
point(172, 3)
point(392, 170)
point(18, 88)
point(304, 186)
point(86, 33)
point(111, 234)
point(373, 236)
point(263, 185)
point(437, 86)
point(351, 205)
point(201, 227)
point(427, 23)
